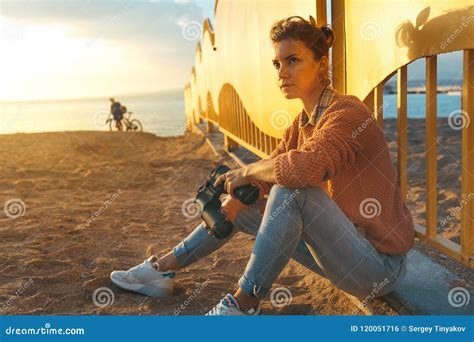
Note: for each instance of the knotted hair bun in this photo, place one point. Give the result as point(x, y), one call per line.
point(318, 39)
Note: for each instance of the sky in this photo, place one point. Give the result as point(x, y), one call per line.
point(52, 49)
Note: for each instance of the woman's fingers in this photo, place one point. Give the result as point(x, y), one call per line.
point(218, 181)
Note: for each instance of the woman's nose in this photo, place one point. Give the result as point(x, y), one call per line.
point(282, 73)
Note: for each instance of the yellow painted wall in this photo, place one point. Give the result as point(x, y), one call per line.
point(382, 36)
point(244, 58)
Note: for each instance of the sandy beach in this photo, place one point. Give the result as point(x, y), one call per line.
point(88, 203)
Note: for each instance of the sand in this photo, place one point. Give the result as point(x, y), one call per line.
point(95, 202)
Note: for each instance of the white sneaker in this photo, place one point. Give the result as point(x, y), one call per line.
point(146, 279)
point(228, 306)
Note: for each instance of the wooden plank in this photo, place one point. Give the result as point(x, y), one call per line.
point(467, 176)
point(338, 49)
point(431, 145)
point(252, 133)
point(256, 138)
point(444, 245)
point(378, 104)
point(236, 140)
point(321, 12)
point(369, 101)
point(247, 128)
point(402, 127)
point(240, 126)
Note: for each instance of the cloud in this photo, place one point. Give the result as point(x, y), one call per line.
point(155, 25)
point(81, 48)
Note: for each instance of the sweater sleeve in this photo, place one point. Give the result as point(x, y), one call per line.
point(331, 148)
point(281, 148)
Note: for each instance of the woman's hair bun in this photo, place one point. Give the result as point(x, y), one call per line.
point(328, 34)
point(326, 31)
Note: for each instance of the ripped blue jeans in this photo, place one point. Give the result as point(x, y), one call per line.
point(304, 224)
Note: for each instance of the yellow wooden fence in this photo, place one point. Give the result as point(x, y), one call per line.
point(233, 84)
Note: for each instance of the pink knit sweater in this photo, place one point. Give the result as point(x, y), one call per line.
point(346, 155)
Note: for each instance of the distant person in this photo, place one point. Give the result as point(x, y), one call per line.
point(117, 110)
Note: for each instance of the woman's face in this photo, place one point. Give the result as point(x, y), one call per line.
point(299, 74)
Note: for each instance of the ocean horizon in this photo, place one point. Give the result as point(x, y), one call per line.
point(161, 113)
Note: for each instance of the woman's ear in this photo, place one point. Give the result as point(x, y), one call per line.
point(323, 69)
point(324, 63)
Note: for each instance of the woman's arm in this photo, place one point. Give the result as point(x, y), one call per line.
point(263, 170)
point(330, 149)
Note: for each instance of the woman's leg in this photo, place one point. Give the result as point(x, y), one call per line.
point(342, 254)
point(199, 243)
point(249, 221)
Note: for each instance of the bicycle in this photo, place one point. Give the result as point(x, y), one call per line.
point(133, 125)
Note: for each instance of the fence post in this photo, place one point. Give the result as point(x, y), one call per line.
point(467, 177)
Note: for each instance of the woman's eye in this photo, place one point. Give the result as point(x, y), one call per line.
point(293, 60)
point(276, 65)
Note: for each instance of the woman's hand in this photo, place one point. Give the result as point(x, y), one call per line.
point(232, 180)
point(231, 207)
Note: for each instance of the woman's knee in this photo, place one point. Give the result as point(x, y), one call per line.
point(286, 196)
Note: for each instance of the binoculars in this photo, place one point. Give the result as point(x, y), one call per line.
point(209, 203)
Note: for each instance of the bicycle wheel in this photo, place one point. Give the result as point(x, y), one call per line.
point(135, 126)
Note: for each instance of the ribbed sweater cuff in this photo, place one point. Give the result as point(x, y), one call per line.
point(284, 174)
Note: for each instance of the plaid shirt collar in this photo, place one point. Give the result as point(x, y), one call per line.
point(323, 103)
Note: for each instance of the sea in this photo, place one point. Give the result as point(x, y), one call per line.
point(160, 113)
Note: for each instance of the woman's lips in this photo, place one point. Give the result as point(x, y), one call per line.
point(286, 86)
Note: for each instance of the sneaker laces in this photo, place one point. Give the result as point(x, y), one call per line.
point(228, 302)
point(134, 269)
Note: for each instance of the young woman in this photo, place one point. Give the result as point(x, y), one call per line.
point(334, 205)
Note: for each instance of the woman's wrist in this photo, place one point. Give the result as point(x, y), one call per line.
point(248, 174)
